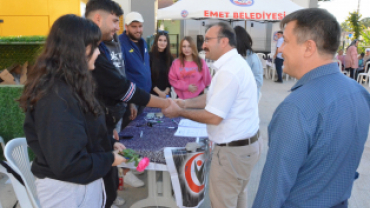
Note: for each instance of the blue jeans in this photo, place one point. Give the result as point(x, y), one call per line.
point(279, 68)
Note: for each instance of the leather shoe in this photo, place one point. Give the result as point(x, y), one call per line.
point(279, 81)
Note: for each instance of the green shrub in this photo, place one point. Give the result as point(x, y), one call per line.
point(18, 50)
point(11, 116)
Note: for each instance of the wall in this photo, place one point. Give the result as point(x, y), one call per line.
point(26, 17)
point(147, 9)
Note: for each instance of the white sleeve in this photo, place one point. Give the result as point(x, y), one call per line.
point(223, 94)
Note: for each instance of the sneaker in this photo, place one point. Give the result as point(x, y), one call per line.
point(132, 180)
point(134, 171)
point(279, 81)
point(119, 201)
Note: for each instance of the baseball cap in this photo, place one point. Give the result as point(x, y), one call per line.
point(132, 17)
point(367, 49)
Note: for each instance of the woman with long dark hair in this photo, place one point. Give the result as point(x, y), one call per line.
point(160, 63)
point(244, 48)
point(64, 123)
point(189, 74)
point(351, 60)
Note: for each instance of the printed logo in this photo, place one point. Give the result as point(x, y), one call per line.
point(243, 3)
point(275, 36)
point(194, 173)
point(131, 51)
point(184, 13)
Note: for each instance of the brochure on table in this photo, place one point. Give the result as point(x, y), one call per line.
point(189, 128)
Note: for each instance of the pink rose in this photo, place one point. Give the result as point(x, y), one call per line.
point(143, 164)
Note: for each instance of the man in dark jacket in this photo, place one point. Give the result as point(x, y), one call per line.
point(114, 91)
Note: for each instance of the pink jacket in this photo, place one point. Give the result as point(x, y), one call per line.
point(181, 77)
point(351, 60)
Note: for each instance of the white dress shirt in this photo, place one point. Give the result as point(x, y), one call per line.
point(232, 96)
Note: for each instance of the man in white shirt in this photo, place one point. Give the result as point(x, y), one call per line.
point(231, 113)
point(279, 57)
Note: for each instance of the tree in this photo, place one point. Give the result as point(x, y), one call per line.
point(354, 22)
point(366, 37)
point(345, 27)
point(366, 22)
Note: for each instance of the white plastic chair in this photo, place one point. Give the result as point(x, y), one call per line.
point(262, 58)
point(16, 155)
point(365, 75)
point(271, 71)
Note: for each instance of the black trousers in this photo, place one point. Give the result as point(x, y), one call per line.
point(279, 68)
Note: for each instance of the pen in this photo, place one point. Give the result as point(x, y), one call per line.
point(175, 122)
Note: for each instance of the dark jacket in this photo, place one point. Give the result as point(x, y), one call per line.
point(137, 62)
point(114, 90)
point(65, 140)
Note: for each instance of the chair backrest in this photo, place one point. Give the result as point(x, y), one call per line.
point(262, 58)
point(17, 156)
point(366, 69)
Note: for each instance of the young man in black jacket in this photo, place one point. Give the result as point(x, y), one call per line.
point(114, 91)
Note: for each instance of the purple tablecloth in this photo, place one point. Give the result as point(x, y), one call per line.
point(154, 139)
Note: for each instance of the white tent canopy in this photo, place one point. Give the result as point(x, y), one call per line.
point(260, 10)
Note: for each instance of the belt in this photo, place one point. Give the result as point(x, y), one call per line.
point(243, 142)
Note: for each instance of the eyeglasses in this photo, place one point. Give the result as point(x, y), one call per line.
point(206, 40)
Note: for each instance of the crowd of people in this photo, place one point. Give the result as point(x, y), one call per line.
point(89, 83)
point(352, 62)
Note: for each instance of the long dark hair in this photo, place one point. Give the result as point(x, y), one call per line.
point(195, 55)
point(244, 41)
point(167, 52)
point(64, 58)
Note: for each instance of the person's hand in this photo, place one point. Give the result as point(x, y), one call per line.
point(172, 111)
point(118, 159)
point(115, 135)
point(167, 91)
point(118, 146)
point(192, 88)
point(162, 94)
point(133, 110)
point(180, 102)
point(274, 56)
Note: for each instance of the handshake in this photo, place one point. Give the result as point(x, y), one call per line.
point(173, 107)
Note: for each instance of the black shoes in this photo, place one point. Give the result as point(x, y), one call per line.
point(279, 81)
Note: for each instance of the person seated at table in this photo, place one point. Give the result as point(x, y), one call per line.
point(160, 63)
point(189, 74)
point(340, 57)
point(244, 48)
point(65, 124)
point(361, 66)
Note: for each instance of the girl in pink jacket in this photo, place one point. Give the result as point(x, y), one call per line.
point(351, 60)
point(189, 74)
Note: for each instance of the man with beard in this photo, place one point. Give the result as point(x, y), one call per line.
point(135, 53)
point(113, 90)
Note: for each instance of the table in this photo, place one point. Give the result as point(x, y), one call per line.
point(153, 143)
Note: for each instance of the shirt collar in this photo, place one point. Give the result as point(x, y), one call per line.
point(318, 72)
point(224, 58)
